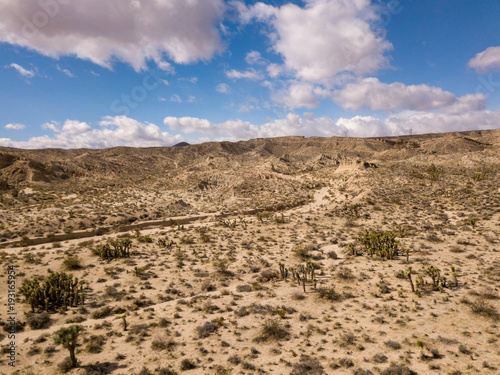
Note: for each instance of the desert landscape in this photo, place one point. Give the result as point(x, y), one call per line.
point(287, 255)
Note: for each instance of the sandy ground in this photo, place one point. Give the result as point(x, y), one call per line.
point(202, 305)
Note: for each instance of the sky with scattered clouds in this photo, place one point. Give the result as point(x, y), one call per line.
point(95, 74)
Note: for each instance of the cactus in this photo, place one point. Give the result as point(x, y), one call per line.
point(56, 292)
point(408, 274)
point(383, 244)
point(454, 274)
point(114, 249)
point(124, 322)
point(283, 271)
point(435, 274)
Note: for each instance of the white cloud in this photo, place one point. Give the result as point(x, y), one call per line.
point(112, 131)
point(125, 131)
point(486, 61)
point(51, 126)
point(132, 31)
point(274, 70)
point(75, 127)
point(373, 94)
point(192, 80)
point(15, 126)
point(248, 74)
point(297, 95)
point(357, 126)
point(324, 38)
point(65, 71)
point(26, 73)
point(254, 57)
point(175, 99)
point(223, 88)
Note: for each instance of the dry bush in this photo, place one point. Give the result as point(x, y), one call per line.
point(38, 321)
point(483, 308)
point(329, 294)
point(307, 366)
point(273, 330)
point(207, 329)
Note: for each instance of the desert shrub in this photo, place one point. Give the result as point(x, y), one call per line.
point(95, 344)
point(102, 313)
point(220, 370)
point(307, 366)
point(207, 329)
point(163, 343)
point(34, 350)
point(165, 371)
point(234, 360)
point(248, 366)
point(380, 358)
point(205, 238)
point(65, 366)
point(244, 288)
point(360, 371)
point(164, 322)
point(396, 369)
point(332, 255)
point(187, 240)
point(329, 294)
point(345, 273)
point(346, 362)
point(72, 263)
point(273, 330)
point(303, 251)
point(393, 344)
point(144, 239)
point(50, 349)
point(38, 321)
point(187, 364)
point(298, 296)
point(347, 338)
point(267, 275)
point(483, 308)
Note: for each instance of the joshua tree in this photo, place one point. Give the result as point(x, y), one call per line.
point(67, 337)
point(420, 345)
point(408, 274)
point(473, 222)
point(124, 317)
point(454, 274)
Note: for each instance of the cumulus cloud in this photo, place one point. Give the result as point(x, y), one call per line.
point(15, 126)
point(223, 88)
point(357, 126)
point(373, 94)
point(26, 73)
point(486, 61)
point(323, 38)
point(75, 127)
point(132, 31)
point(254, 57)
point(297, 95)
point(247, 74)
point(111, 132)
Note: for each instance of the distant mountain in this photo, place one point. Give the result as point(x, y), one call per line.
point(181, 144)
point(224, 161)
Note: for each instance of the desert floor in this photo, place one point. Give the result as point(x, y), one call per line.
point(208, 297)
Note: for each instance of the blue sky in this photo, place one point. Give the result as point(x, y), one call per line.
point(153, 73)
